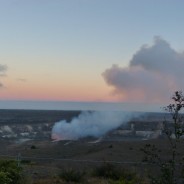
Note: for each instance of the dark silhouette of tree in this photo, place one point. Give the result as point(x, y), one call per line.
point(170, 169)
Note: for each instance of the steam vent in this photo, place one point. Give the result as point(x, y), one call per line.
point(38, 125)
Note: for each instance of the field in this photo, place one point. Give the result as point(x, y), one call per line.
point(43, 159)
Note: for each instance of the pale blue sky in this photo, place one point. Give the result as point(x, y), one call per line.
point(66, 44)
point(105, 30)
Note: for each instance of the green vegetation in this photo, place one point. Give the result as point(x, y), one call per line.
point(170, 166)
point(116, 175)
point(107, 171)
point(33, 147)
point(10, 173)
point(71, 175)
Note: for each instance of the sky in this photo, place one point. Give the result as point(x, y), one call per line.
point(91, 50)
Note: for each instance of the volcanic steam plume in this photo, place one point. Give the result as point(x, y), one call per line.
point(93, 124)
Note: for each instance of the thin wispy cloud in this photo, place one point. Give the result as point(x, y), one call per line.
point(22, 80)
point(153, 73)
point(3, 69)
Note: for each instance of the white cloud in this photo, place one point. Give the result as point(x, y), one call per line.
point(153, 74)
point(3, 69)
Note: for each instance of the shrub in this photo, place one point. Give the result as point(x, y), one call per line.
point(124, 181)
point(107, 171)
point(33, 147)
point(116, 175)
point(26, 162)
point(71, 175)
point(10, 173)
point(4, 178)
point(169, 167)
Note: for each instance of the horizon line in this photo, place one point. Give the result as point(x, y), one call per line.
point(81, 106)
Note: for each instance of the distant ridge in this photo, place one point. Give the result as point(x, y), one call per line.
point(64, 105)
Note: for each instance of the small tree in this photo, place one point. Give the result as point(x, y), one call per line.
point(168, 172)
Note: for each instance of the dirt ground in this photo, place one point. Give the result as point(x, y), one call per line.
point(45, 159)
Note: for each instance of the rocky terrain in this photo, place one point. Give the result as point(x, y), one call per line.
point(22, 125)
point(25, 136)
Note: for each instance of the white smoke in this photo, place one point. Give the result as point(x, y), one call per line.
point(86, 124)
point(153, 74)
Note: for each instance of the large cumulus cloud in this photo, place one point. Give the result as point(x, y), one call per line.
point(153, 74)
